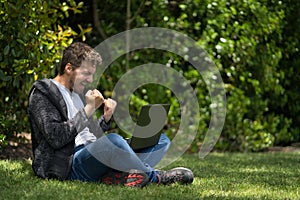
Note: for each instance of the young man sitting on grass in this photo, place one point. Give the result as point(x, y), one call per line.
point(69, 145)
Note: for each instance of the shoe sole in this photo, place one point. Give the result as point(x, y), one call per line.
point(133, 178)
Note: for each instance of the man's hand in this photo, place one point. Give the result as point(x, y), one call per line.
point(109, 108)
point(94, 100)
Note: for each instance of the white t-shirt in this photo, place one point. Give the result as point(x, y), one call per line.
point(74, 103)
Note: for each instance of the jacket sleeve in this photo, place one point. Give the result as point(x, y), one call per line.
point(51, 123)
point(98, 127)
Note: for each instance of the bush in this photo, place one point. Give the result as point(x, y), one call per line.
point(32, 40)
point(245, 39)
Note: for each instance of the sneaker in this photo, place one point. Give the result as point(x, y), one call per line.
point(132, 178)
point(179, 174)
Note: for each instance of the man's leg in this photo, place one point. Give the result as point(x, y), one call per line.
point(153, 155)
point(86, 168)
point(108, 152)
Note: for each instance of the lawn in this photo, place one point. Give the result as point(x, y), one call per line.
point(218, 176)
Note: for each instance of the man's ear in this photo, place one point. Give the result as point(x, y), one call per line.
point(68, 68)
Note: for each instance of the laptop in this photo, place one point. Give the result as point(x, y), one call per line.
point(149, 125)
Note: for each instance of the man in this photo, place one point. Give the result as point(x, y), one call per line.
point(69, 145)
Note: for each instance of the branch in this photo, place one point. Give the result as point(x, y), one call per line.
point(97, 23)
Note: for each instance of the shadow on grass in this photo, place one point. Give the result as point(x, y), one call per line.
point(271, 169)
point(17, 181)
point(251, 175)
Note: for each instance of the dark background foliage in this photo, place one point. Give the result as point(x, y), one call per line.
point(254, 43)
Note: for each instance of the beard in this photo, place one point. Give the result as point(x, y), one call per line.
point(78, 86)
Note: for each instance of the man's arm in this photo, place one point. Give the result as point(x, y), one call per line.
point(98, 127)
point(104, 121)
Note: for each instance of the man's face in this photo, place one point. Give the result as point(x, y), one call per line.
point(82, 76)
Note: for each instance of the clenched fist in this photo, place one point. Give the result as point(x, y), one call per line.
point(94, 100)
point(109, 108)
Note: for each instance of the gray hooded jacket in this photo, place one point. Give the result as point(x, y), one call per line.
point(53, 134)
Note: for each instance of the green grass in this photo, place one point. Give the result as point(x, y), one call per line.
point(218, 176)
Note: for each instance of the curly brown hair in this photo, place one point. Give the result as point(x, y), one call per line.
point(76, 53)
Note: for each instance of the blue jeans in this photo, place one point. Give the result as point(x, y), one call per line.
point(112, 152)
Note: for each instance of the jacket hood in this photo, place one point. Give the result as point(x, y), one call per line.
point(50, 90)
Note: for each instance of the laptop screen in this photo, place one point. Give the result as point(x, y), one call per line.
point(149, 125)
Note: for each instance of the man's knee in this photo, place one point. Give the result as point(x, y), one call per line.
point(116, 139)
point(164, 139)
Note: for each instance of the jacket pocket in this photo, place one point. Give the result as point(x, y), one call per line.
point(60, 166)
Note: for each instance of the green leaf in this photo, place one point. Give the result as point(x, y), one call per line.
point(20, 41)
point(6, 50)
